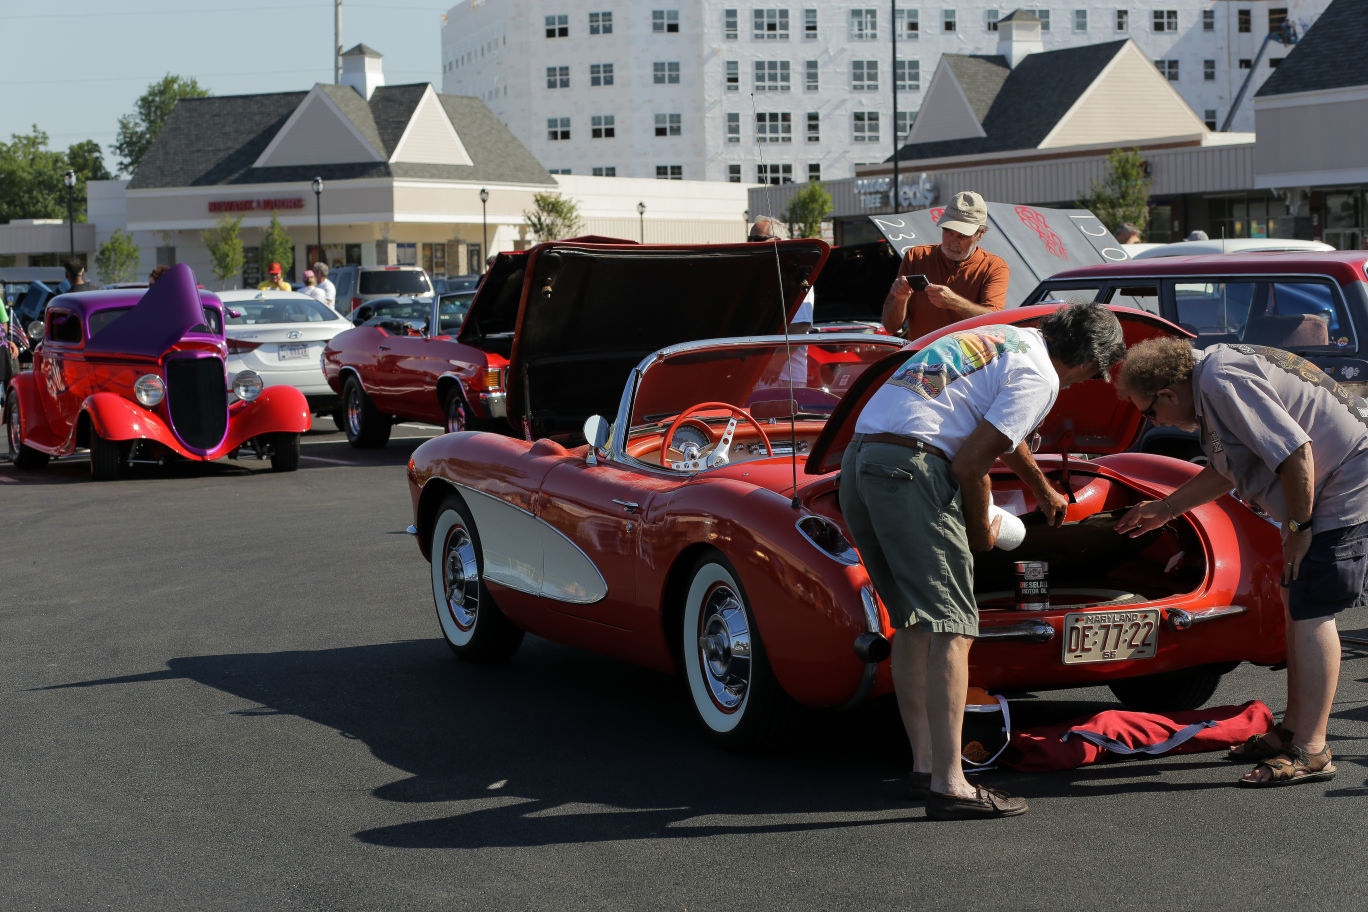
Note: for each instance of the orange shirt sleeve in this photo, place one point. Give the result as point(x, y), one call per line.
point(995, 285)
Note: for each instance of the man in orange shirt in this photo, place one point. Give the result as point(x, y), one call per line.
point(962, 280)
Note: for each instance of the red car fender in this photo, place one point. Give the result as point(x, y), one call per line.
point(35, 430)
point(115, 418)
point(279, 409)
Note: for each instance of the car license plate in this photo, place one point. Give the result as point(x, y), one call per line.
point(290, 351)
point(1110, 636)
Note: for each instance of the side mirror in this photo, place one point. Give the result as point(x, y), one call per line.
point(596, 431)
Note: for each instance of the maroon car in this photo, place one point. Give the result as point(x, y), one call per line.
point(595, 307)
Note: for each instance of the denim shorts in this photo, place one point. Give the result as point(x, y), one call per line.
point(903, 510)
point(1333, 576)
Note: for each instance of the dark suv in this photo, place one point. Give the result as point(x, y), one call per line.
point(1311, 304)
point(358, 284)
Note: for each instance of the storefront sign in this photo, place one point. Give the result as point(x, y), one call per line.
point(256, 205)
point(914, 191)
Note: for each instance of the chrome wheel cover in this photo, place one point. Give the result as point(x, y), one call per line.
point(16, 434)
point(456, 415)
point(724, 647)
point(354, 411)
point(460, 577)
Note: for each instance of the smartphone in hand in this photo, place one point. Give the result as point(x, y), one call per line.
point(917, 281)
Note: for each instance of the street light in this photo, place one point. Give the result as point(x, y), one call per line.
point(70, 180)
point(484, 226)
point(318, 215)
point(745, 215)
point(641, 214)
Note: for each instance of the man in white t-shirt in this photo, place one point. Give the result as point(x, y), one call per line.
point(320, 271)
point(915, 494)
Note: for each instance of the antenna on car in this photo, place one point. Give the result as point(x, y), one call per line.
point(783, 317)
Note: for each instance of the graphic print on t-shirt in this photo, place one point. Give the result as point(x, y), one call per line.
point(957, 355)
point(1301, 368)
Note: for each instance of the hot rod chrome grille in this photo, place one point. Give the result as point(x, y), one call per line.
point(197, 400)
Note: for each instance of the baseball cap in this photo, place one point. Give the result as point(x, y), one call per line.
point(966, 214)
point(275, 267)
point(308, 273)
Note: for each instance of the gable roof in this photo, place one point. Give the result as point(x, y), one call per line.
point(1328, 56)
point(981, 77)
point(220, 140)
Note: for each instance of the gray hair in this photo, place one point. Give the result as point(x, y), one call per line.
point(1082, 332)
point(321, 269)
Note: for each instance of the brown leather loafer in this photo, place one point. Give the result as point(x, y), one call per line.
point(986, 804)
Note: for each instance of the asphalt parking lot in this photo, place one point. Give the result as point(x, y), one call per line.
point(225, 688)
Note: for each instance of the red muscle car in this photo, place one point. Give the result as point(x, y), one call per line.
point(138, 374)
point(701, 533)
point(559, 303)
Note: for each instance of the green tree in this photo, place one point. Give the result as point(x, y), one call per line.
point(31, 179)
point(553, 217)
point(138, 130)
point(276, 246)
point(224, 244)
point(117, 259)
point(87, 160)
point(1123, 193)
point(806, 210)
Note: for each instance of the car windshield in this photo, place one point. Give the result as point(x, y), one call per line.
point(261, 311)
point(395, 282)
point(451, 311)
point(402, 310)
point(213, 324)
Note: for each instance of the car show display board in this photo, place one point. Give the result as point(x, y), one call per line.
point(1035, 242)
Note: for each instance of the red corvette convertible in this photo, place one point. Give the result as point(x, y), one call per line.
point(561, 305)
point(700, 533)
point(138, 374)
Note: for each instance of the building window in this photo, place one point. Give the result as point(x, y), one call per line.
point(810, 80)
point(600, 24)
point(733, 127)
point(1044, 16)
point(814, 127)
point(730, 30)
point(1244, 22)
point(600, 74)
point(733, 80)
point(1273, 62)
point(865, 126)
point(773, 127)
point(947, 20)
point(908, 24)
point(664, 21)
point(669, 172)
point(733, 174)
point(558, 77)
point(667, 124)
point(1165, 20)
point(907, 75)
point(772, 76)
point(903, 126)
point(602, 126)
point(809, 25)
point(814, 171)
point(774, 174)
point(1208, 71)
point(864, 25)
point(771, 24)
point(557, 26)
point(864, 75)
point(990, 19)
point(604, 171)
point(1123, 20)
point(1208, 20)
point(1169, 68)
point(557, 170)
point(1209, 118)
point(1246, 63)
point(557, 128)
point(1080, 20)
point(665, 73)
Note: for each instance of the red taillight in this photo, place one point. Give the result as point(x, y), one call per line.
point(240, 347)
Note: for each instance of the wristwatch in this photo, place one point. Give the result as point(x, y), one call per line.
point(1294, 526)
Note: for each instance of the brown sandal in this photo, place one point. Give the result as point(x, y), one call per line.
point(1292, 766)
point(1258, 747)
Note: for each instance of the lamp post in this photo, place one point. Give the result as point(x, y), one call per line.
point(70, 180)
point(745, 215)
point(484, 227)
point(318, 215)
point(641, 214)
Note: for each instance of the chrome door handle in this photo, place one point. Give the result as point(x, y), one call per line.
point(627, 505)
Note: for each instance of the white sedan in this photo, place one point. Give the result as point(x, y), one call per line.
point(280, 335)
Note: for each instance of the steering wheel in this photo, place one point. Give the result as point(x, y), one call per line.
point(718, 452)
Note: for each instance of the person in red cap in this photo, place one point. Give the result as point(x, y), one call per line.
point(274, 280)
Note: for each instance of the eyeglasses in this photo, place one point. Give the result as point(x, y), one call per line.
point(1149, 412)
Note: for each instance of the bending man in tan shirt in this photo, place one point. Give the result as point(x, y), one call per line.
point(963, 281)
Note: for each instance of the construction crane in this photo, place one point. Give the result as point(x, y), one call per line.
point(1286, 33)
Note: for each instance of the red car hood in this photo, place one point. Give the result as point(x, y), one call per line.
point(1087, 417)
point(584, 315)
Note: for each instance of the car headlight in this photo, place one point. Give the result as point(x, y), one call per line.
point(247, 385)
point(150, 390)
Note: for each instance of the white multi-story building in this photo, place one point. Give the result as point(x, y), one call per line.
point(770, 92)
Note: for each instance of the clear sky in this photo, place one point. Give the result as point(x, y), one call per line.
point(74, 73)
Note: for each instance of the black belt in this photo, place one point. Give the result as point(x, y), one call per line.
point(902, 440)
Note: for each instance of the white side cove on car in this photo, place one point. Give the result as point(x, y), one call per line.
point(553, 566)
